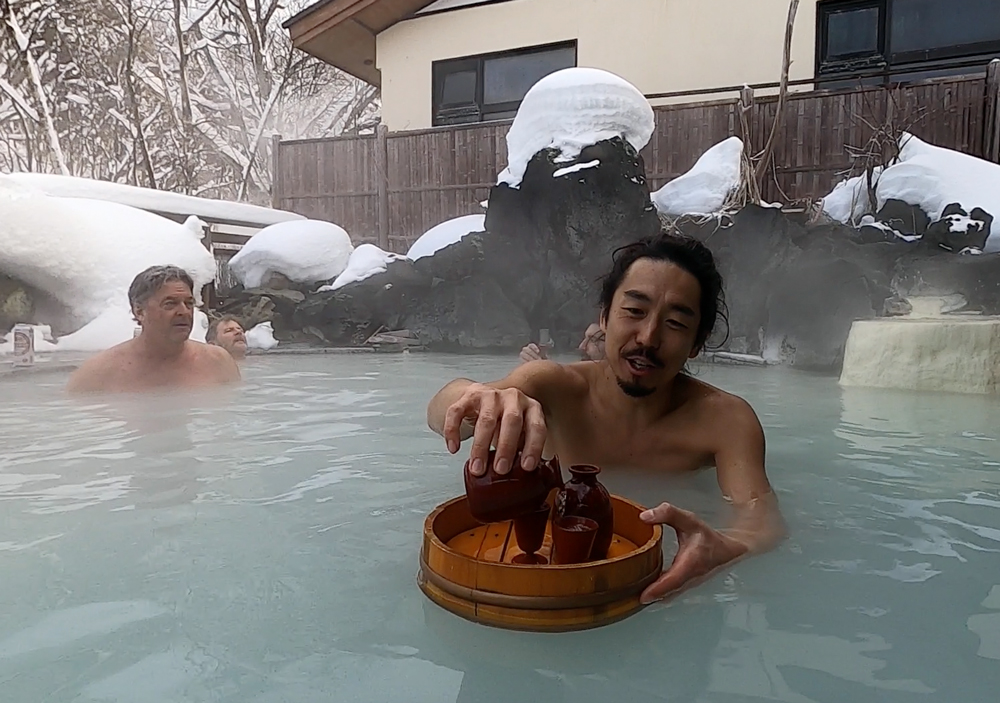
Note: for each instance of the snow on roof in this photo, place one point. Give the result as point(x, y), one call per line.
point(444, 234)
point(305, 251)
point(572, 109)
point(159, 201)
point(928, 176)
point(703, 190)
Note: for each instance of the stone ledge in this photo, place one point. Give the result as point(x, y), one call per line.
point(957, 355)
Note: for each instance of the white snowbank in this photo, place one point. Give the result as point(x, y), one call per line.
point(366, 261)
point(154, 200)
point(261, 337)
point(572, 109)
point(929, 177)
point(304, 252)
point(703, 190)
point(84, 253)
point(848, 202)
point(445, 234)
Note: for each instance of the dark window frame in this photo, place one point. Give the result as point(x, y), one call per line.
point(885, 57)
point(855, 62)
point(477, 112)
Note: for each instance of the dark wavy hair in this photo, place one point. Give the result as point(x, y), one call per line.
point(689, 254)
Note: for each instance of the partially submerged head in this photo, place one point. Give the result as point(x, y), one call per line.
point(162, 301)
point(591, 347)
point(228, 333)
point(659, 306)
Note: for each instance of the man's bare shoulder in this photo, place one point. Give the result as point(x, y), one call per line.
point(727, 407)
point(215, 358)
point(95, 372)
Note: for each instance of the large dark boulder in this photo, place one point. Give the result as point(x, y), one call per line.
point(550, 240)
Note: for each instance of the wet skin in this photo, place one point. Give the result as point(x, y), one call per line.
point(634, 408)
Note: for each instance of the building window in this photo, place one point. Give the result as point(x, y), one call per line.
point(491, 86)
point(851, 36)
point(861, 35)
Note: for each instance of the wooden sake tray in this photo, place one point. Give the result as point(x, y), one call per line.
point(465, 567)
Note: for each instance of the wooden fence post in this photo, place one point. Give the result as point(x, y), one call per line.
point(382, 184)
point(991, 123)
point(275, 171)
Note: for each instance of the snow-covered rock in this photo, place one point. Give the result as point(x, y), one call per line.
point(929, 177)
point(261, 337)
point(366, 261)
point(83, 254)
point(703, 190)
point(154, 200)
point(445, 234)
point(848, 202)
point(304, 251)
point(572, 109)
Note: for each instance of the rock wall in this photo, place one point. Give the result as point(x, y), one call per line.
point(794, 287)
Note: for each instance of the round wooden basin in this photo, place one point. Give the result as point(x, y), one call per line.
point(466, 567)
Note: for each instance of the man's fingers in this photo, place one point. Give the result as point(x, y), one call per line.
point(482, 438)
point(453, 418)
point(535, 433)
point(508, 437)
point(667, 514)
point(671, 580)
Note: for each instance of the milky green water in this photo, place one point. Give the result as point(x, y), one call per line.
point(261, 546)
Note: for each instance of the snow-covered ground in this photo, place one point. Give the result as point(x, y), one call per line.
point(366, 261)
point(304, 251)
point(149, 199)
point(261, 337)
point(703, 190)
point(572, 109)
point(929, 177)
point(83, 254)
point(445, 234)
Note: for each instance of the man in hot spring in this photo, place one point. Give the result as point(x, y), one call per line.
point(162, 356)
point(635, 408)
point(228, 333)
point(591, 347)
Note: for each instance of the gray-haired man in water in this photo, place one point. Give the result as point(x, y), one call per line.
point(162, 356)
point(636, 407)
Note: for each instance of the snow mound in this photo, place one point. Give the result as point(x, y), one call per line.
point(445, 234)
point(84, 253)
point(303, 251)
point(849, 201)
point(153, 200)
point(572, 109)
point(366, 261)
point(703, 190)
point(261, 337)
point(927, 176)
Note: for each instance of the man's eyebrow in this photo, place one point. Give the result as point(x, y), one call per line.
point(638, 295)
point(682, 309)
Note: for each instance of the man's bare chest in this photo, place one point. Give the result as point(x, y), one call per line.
point(674, 446)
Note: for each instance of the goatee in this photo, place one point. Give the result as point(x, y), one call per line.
point(634, 390)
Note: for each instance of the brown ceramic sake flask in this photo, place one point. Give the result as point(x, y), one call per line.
point(495, 498)
point(584, 496)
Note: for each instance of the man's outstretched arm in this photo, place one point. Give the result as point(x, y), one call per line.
point(757, 525)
